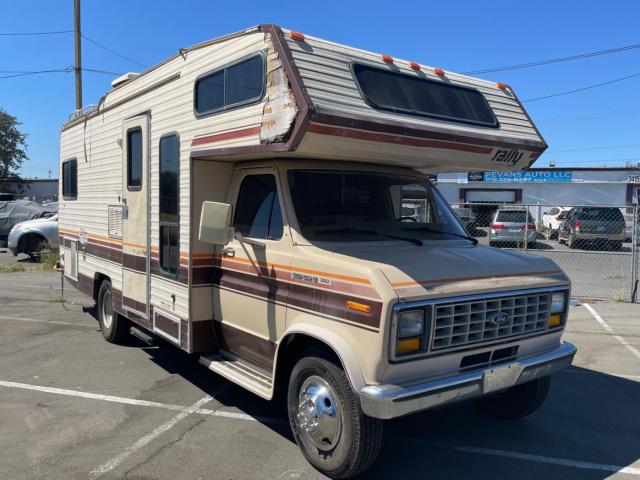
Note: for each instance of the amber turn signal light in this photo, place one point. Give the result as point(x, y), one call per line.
point(554, 321)
point(408, 345)
point(359, 307)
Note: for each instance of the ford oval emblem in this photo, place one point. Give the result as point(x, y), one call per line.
point(499, 318)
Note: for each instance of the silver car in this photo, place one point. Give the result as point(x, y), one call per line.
point(512, 225)
point(34, 236)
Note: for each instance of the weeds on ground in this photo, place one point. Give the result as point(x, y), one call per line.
point(49, 259)
point(46, 261)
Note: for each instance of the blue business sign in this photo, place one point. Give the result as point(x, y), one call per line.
point(529, 177)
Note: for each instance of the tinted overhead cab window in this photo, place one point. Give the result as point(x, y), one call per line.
point(258, 213)
point(402, 93)
point(230, 87)
point(70, 179)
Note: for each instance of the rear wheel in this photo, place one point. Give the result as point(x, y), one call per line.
point(516, 402)
point(328, 424)
point(572, 242)
point(112, 325)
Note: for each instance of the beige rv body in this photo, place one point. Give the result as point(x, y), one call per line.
point(251, 304)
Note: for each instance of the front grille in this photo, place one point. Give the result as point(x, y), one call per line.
point(461, 323)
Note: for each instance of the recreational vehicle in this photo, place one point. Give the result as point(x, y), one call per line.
point(260, 199)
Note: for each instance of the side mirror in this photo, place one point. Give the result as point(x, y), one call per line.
point(215, 221)
point(545, 212)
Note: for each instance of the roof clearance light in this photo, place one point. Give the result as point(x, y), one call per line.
point(297, 36)
point(414, 65)
point(386, 58)
point(502, 86)
point(438, 71)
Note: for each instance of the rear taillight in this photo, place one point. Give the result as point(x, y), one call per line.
point(576, 224)
point(531, 226)
point(558, 218)
point(497, 226)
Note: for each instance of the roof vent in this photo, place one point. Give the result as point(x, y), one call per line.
point(122, 79)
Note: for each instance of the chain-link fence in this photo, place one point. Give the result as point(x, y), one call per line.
point(597, 246)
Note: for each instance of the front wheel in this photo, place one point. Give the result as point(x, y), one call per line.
point(328, 424)
point(516, 402)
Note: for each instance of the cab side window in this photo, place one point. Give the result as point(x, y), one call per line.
point(258, 213)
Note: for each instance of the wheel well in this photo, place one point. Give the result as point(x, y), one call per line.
point(290, 351)
point(98, 278)
point(29, 241)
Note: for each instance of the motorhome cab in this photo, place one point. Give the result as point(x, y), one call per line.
point(258, 199)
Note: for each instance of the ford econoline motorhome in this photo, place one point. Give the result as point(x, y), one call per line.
point(260, 199)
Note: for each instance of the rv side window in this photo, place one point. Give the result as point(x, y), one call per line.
point(134, 159)
point(402, 93)
point(258, 213)
point(230, 87)
point(70, 179)
point(169, 188)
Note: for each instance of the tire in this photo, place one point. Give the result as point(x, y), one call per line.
point(112, 325)
point(516, 402)
point(616, 246)
point(492, 244)
point(572, 242)
point(339, 440)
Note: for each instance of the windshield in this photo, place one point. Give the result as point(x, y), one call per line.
point(366, 206)
point(514, 216)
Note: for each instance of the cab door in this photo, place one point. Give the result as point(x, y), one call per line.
point(250, 307)
point(135, 217)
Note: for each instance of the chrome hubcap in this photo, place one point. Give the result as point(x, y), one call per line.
point(106, 309)
point(319, 415)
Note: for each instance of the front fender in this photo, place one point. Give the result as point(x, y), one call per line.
point(334, 341)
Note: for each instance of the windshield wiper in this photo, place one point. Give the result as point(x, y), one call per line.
point(433, 230)
point(415, 241)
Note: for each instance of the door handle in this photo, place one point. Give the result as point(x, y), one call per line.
point(228, 252)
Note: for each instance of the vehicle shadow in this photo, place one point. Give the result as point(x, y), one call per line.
point(589, 417)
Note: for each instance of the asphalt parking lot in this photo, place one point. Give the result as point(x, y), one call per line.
point(74, 406)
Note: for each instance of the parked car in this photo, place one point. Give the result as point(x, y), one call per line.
point(628, 218)
point(34, 236)
point(512, 225)
point(16, 211)
point(466, 217)
point(603, 226)
point(551, 220)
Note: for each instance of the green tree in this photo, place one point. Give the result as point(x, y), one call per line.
point(12, 150)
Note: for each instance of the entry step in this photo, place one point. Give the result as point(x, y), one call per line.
point(140, 335)
point(252, 377)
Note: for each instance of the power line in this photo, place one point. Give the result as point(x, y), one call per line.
point(583, 88)
point(26, 34)
point(113, 51)
point(555, 60)
point(37, 72)
point(57, 70)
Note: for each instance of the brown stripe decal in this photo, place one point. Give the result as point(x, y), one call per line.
point(396, 139)
point(166, 325)
point(135, 304)
point(134, 262)
point(219, 137)
point(322, 301)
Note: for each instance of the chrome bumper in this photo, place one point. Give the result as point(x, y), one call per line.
point(390, 401)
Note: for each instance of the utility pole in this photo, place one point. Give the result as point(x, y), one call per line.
point(77, 37)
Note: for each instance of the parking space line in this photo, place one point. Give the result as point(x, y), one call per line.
point(184, 411)
point(140, 403)
point(53, 322)
point(146, 439)
point(610, 330)
point(529, 457)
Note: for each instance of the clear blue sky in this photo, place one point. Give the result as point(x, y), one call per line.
point(590, 128)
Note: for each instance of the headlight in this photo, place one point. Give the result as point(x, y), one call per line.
point(558, 300)
point(410, 323)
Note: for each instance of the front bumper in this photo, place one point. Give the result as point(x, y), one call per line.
point(390, 401)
